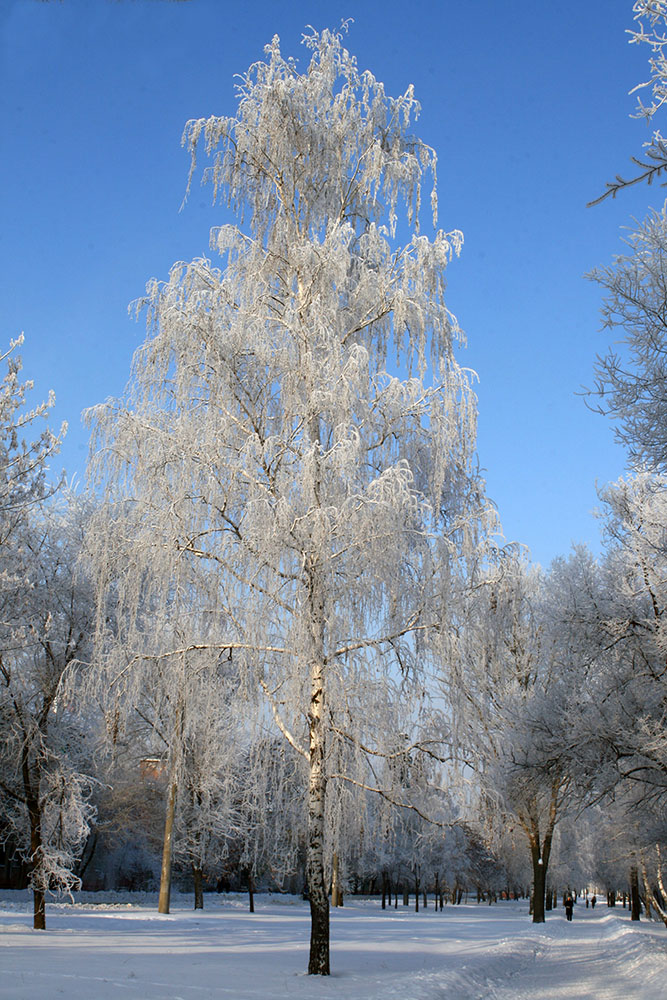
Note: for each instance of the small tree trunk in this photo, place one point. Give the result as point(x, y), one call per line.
point(647, 898)
point(39, 910)
point(416, 895)
point(167, 846)
point(635, 905)
point(406, 896)
point(251, 891)
point(87, 855)
point(36, 850)
point(198, 880)
point(540, 854)
point(538, 896)
point(337, 892)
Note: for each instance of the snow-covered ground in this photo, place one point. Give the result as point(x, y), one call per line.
point(107, 947)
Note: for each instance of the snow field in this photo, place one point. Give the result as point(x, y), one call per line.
point(122, 948)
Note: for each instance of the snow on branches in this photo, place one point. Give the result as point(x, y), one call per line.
point(272, 488)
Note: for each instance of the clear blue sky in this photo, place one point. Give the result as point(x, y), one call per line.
point(526, 104)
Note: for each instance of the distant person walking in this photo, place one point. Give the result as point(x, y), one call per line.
point(593, 900)
point(568, 903)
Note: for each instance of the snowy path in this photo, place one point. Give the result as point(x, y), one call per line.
point(599, 956)
point(122, 951)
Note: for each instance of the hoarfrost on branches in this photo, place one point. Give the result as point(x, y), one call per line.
point(45, 765)
point(630, 380)
point(509, 676)
point(22, 463)
point(651, 17)
point(651, 20)
point(316, 509)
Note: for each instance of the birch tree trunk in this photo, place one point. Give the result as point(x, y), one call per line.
point(318, 963)
point(651, 899)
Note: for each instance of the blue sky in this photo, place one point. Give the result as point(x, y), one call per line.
point(526, 104)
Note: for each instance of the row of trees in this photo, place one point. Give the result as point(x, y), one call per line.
point(287, 591)
point(560, 680)
point(524, 755)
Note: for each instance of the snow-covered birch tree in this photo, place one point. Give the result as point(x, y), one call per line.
point(319, 505)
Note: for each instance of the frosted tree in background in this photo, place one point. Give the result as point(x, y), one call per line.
point(633, 637)
point(45, 759)
point(617, 740)
point(23, 464)
point(39, 636)
point(630, 378)
point(209, 775)
point(158, 670)
point(506, 677)
point(269, 835)
point(320, 507)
